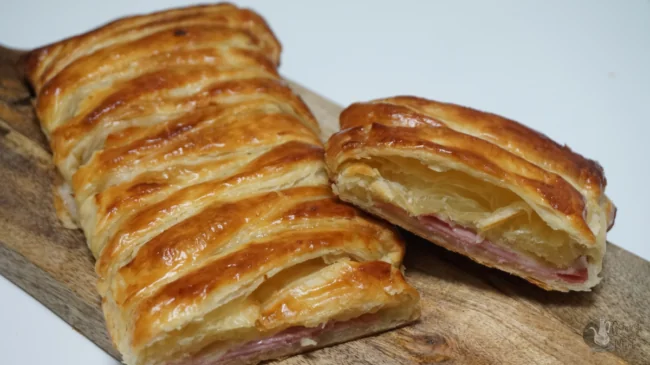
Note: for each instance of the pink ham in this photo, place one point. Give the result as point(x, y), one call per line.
point(468, 242)
point(290, 338)
point(287, 338)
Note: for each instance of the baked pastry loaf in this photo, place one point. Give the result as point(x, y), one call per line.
point(199, 181)
point(478, 184)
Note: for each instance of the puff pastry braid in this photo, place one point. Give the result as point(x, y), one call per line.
point(478, 184)
point(198, 179)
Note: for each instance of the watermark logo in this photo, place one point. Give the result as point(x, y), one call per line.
point(597, 335)
point(606, 335)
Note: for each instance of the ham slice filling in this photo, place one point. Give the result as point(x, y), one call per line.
point(292, 339)
point(472, 244)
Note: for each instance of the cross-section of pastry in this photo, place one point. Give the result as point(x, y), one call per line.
point(478, 184)
point(199, 180)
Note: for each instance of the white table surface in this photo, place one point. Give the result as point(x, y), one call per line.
point(578, 71)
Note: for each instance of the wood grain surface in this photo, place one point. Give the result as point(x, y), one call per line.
point(470, 314)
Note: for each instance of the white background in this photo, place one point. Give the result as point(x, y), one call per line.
point(578, 71)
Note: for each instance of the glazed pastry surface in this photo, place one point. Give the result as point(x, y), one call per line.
point(198, 178)
point(476, 183)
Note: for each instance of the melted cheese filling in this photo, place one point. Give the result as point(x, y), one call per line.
point(493, 212)
point(232, 323)
point(242, 324)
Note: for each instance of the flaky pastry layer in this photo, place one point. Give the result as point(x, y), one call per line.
point(476, 183)
point(198, 178)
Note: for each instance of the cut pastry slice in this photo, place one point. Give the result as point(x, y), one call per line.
point(478, 184)
point(199, 180)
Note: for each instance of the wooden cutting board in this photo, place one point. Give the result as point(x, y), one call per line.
point(470, 314)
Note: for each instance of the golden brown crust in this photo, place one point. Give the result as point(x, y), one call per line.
point(217, 224)
point(505, 133)
point(549, 189)
point(565, 189)
point(45, 63)
point(199, 181)
point(189, 291)
point(553, 176)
